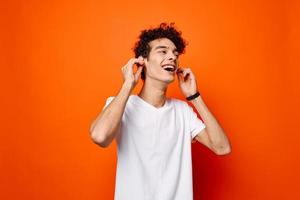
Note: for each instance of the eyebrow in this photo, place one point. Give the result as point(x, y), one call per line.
point(163, 47)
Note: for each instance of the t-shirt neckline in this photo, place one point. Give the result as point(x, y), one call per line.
point(150, 105)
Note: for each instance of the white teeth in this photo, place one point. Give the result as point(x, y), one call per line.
point(168, 66)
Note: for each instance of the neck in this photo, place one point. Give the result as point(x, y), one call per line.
point(154, 93)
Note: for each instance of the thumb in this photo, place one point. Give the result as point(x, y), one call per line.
point(180, 77)
point(138, 72)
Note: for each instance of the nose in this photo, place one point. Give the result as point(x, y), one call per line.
point(172, 56)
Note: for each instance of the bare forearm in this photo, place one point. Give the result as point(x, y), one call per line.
point(107, 124)
point(215, 132)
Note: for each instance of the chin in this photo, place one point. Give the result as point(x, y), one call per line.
point(163, 78)
point(169, 80)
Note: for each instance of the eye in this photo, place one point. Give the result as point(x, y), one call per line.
point(163, 52)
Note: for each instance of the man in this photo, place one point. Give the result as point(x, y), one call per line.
point(153, 132)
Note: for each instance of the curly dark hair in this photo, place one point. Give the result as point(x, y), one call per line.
point(164, 30)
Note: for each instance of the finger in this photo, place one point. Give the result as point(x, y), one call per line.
point(187, 72)
point(123, 69)
point(180, 77)
point(190, 73)
point(131, 62)
point(178, 70)
point(129, 66)
point(140, 61)
point(138, 72)
point(179, 73)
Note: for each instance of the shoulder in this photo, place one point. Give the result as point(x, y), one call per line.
point(183, 106)
point(112, 97)
point(109, 99)
point(179, 103)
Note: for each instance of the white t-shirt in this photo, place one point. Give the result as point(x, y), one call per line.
point(154, 150)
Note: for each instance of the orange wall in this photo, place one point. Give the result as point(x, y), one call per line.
point(60, 60)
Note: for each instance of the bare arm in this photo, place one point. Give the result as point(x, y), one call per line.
point(213, 135)
point(105, 127)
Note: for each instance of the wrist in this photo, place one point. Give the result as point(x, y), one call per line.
point(190, 93)
point(192, 96)
point(128, 86)
point(128, 83)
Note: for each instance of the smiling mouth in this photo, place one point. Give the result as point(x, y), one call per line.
point(169, 68)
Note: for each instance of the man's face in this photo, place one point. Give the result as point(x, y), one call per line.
point(162, 61)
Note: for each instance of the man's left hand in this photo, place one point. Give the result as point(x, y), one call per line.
point(187, 81)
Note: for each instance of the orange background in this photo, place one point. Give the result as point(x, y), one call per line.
point(60, 60)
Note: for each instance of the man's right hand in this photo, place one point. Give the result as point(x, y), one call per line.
point(129, 76)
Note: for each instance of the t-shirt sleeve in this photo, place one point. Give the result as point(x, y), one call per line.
point(195, 124)
point(108, 101)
